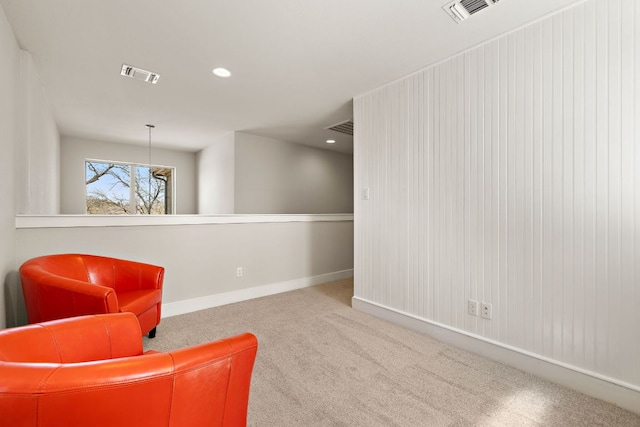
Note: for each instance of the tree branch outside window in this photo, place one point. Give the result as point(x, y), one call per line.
point(110, 189)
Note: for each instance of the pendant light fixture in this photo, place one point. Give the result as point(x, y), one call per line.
point(149, 126)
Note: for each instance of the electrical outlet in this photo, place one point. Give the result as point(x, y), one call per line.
point(239, 272)
point(472, 307)
point(486, 310)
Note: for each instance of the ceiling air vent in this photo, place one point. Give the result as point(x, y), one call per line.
point(345, 127)
point(139, 74)
point(460, 10)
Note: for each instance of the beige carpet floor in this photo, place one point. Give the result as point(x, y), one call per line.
point(321, 363)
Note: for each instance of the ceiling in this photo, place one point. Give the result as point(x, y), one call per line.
point(296, 64)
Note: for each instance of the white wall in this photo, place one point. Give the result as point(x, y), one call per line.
point(201, 259)
point(510, 174)
point(216, 177)
point(278, 177)
point(38, 177)
point(74, 152)
point(29, 142)
point(9, 72)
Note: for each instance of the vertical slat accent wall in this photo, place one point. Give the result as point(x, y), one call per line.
point(510, 174)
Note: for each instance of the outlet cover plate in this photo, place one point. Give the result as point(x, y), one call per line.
point(486, 310)
point(472, 307)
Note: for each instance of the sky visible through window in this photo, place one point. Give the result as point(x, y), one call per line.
point(108, 188)
point(107, 183)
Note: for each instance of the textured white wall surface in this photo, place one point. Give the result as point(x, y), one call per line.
point(510, 174)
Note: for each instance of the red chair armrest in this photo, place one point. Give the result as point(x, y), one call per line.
point(54, 297)
point(76, 339)
point(229, 360)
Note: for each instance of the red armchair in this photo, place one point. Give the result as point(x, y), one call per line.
point(67, 285)
point(91, 371)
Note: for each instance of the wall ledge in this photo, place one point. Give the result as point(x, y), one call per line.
point(72, 221)
point(611, 390)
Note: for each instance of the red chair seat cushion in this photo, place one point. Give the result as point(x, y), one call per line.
point(139, 301)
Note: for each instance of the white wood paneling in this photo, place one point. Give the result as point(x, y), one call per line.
point(510, 174)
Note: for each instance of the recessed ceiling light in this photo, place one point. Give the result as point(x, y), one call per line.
point(331, 141)
point(221, 72)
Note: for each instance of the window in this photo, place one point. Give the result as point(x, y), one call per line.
point(125, 188)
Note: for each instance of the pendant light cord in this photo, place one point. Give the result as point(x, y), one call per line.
point(149, 164)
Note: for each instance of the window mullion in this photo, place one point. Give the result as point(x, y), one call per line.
point(132, 190)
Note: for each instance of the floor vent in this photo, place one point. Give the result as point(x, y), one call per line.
point(139, 74)
point(461, 10)
point(345, 127)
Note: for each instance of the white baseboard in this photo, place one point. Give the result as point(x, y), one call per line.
point(619, 393)
point(216, 300)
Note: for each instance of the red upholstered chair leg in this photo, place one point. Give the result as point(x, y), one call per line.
point(152, 333)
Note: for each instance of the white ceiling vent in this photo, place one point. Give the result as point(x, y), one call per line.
point(139, 74)
point(460, 10)
point(345, 127)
